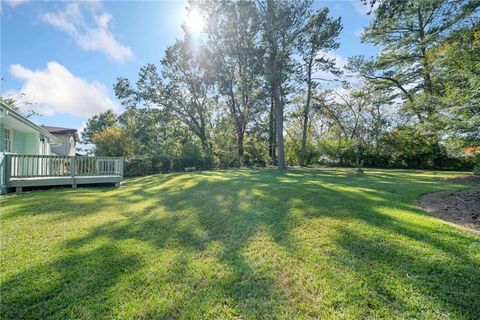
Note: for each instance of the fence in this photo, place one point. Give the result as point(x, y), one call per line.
point(34, 166)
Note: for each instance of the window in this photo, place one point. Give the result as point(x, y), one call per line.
point(7, 137)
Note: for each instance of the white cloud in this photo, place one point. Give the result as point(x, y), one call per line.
point(103, 20)
point(14, 3)
point(88, 25)
point(57, 90)
point(340, 63)
point(339, 93)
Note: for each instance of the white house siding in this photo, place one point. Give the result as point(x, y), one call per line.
point(25, 138)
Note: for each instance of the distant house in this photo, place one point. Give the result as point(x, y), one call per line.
point(35, 156)
point(68, 137)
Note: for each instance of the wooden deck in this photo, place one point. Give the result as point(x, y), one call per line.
point(36, 171)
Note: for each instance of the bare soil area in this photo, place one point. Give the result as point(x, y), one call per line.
point(471, 179)
point(458, 207)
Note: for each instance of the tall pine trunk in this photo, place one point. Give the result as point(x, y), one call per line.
point(271, 134)
point(279, 125)
point(306, 113)
point(275, 73)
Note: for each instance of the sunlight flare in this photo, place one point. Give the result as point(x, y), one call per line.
point(195, 22)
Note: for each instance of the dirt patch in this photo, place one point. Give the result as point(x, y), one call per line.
point(464, 180)
point(459, 207)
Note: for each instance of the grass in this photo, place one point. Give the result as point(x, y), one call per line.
point(241, 244)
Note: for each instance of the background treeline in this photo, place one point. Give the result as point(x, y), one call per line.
point(259, 87)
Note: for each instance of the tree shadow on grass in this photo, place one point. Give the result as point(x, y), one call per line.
point(398, 276)
point(252, 293)
point(238, 212)
point(216, 217)
point(74, 286)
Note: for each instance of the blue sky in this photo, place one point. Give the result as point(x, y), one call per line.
point(65, 56)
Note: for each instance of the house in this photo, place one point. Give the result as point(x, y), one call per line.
point(68, 137)
point(18, 135)
point(33, 156)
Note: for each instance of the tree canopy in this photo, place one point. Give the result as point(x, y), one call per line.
point(247, 91)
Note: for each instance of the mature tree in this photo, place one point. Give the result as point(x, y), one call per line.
point(407, 31)
point(294, 126)
point(188, 89)
point(232, 95)
point(282, 23)
point(233, 31)
point(112, 142)
point(458, 64)
point(150, 129)
point(181, 90)
point(319, 36)
point(98, 123)
point(358, 116)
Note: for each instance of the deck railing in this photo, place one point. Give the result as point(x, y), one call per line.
point(32, 166)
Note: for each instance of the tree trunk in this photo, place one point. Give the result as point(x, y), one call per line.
point(304, 137)
point(427, 79)
point(306, 112)
point(279, 125)
point(240, 135)
point(205, 144)
point(271, 134)
point(275, 74)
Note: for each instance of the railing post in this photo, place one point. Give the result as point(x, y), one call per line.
point(120, 166)
point(8, 168)
point(97, 166)
point(72, 171)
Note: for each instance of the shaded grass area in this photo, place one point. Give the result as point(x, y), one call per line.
point(241, 244)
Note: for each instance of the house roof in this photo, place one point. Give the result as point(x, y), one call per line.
point(59, 130)
point(7, 111)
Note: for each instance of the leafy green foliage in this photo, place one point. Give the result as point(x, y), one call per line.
point(112, 142)
point(98, 123)
point(409, 33)
point(476, 169)
point(457, 58)
point(405, 147)
point(233, 29)
point(319, 37)
point(246, 95)
point(336, 151)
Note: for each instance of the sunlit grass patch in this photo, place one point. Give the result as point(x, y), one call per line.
point(239, 244)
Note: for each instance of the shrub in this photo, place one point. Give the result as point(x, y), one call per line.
point(191, 155)
point(408, 148)
point(339, 152)
point(112, 142)
point(138, 166)
point(476, 170)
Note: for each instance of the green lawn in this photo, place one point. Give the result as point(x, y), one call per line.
point(241, 244)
